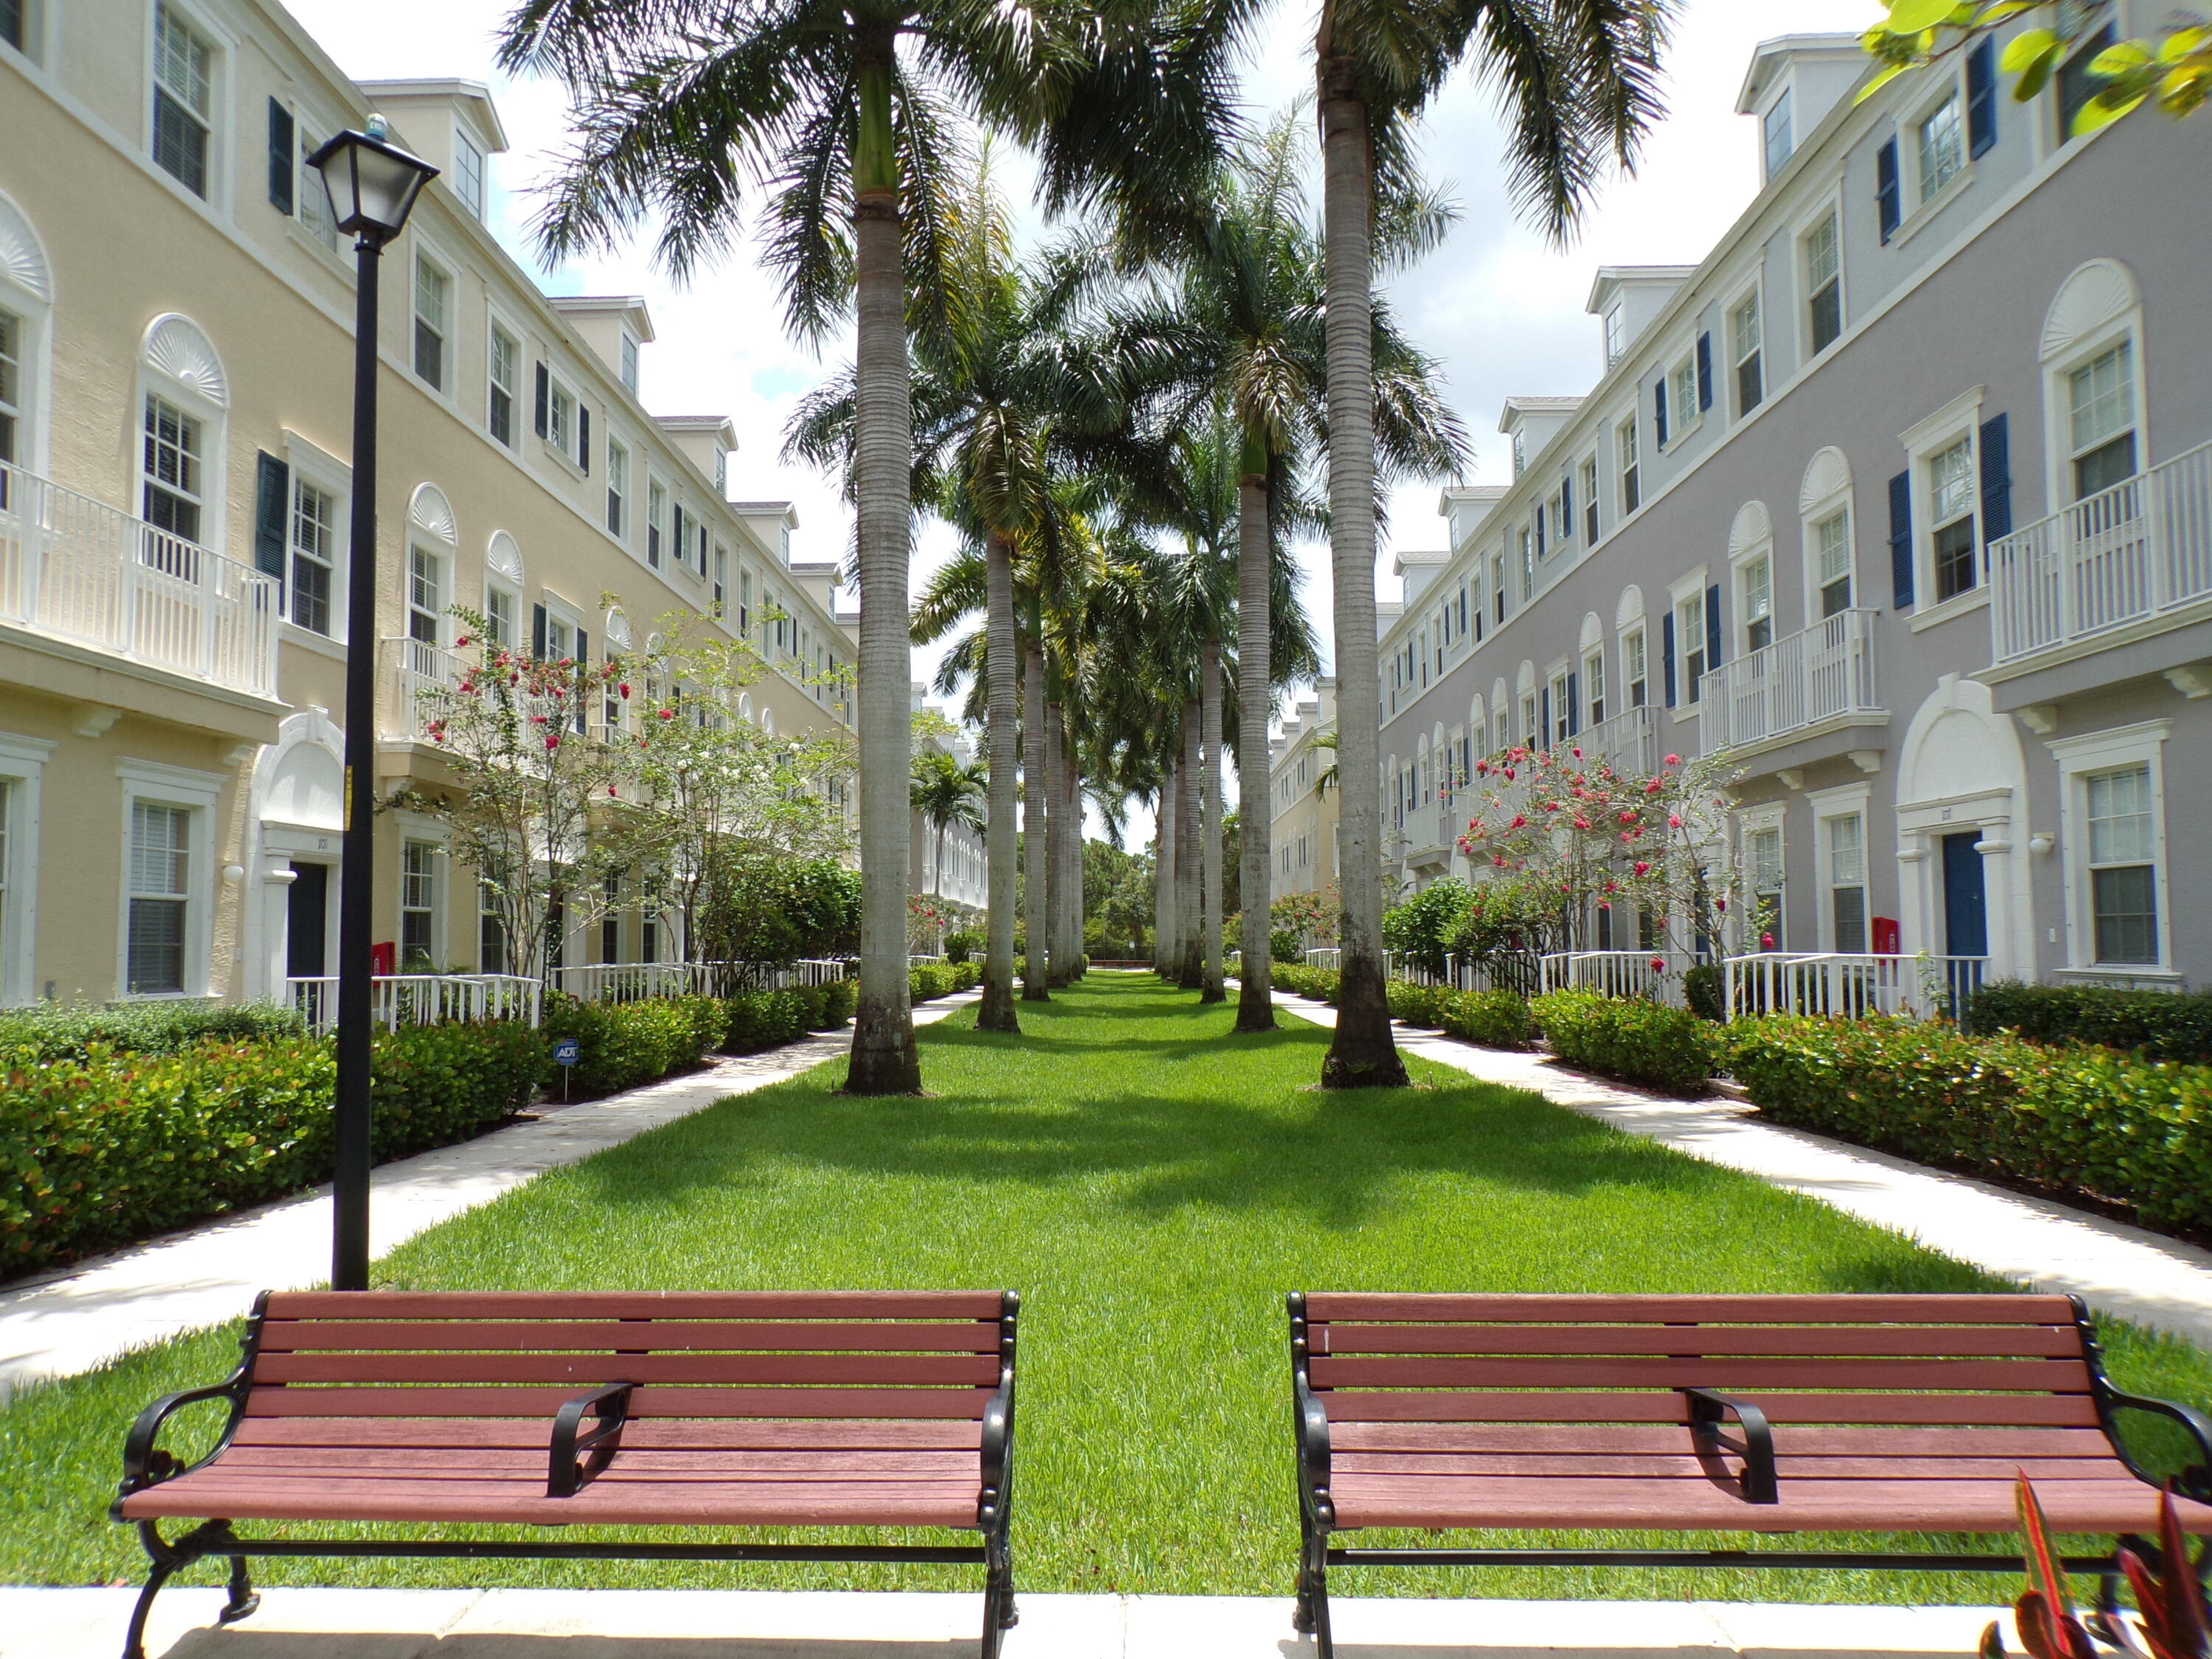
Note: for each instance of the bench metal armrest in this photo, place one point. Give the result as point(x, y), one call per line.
point(1707, 1407)
point(1312, 1428)
point(2193, 1482)
point(147, 1464)
point(564, 1475)
point(998, 1452)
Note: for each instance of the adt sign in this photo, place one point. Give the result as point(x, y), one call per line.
point(568, 1052)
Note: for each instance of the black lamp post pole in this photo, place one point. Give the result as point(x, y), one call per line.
point(357, 859)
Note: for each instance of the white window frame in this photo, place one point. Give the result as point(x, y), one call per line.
point(1689, 690)
point(1635, 656)
point(410, 835)
point(471, 185)
point(560, 438)
point(2113, 750)
point(656, 522)
point(1597, 708)
point(1682, 371)
point(1830, 207)
point(1779, 115)
point(1959, 418)
point(214, 420)
point(427, 253)
point(1753, 294)
point(32, 311)
point(1751, 822)
point(195, 792)
point(518, 395)
point(1814, 512)
point(313, 465)
point(222, 57)
point(1740, 571)
point(1628, 452)
point(2057, 398)
point(1616, 336)
point(1586, 480)
point(34, 34)
point(22, 764)
point(627, 372)
point(617, 503)
point(442, 556)
point(1911, 131)
point(1828, 806)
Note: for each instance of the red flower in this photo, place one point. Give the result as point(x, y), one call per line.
point(462, 643)
point(1578, 754)
point(1673, 760)
point(1674, 821)
point(623, 687)
point(537, 720)
point(1581, 824)
point(610, 789)
point(668, 714)
point(1658, 964)
point(552, 739)
point(1766, 941)
point(1720, 905)
point(1643, 868)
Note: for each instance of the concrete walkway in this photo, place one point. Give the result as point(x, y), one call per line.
point(62, 1323)
point(2116, 1268)
point(351, 1623)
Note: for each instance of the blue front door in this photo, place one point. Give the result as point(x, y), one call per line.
point(1966, 908)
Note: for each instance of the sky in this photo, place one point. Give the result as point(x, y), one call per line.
point(1497, 305)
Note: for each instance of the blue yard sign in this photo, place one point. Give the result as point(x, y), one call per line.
point(568, 1052)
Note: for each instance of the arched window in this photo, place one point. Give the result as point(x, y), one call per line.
point(26, 295)
point(433, 538)
point(502, 590)
point(1751, 568)
point(183, 409)
point(2092, 389)
point(1830, 527)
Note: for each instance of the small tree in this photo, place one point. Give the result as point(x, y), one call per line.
point(530, 784)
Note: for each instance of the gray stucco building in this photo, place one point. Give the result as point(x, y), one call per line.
point(1903, 498)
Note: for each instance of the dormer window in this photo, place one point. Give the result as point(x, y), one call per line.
point(629, 361)
point(1777, 132)
point(1616, 337)
point(468, 179)
point(1519, 452)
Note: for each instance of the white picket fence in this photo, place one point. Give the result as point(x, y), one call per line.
point(633, 981)
point(398, 999)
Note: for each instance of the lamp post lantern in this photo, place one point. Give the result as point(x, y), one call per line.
point(373, 185)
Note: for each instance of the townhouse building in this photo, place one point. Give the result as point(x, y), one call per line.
point(1900, 499)
point(1301, 773)
point(175, 398)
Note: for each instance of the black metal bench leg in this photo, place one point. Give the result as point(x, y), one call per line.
point(244, 1599)
point(999, 1614)
point(1311, 1616)
point(134, 1640)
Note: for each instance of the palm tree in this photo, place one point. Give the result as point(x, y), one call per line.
point(1576, 80)
point(945, 793)
point(849, 138)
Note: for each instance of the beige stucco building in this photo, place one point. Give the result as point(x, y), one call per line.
point(175, 380)
point(1302, 830)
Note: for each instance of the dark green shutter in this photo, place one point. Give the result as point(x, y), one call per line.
point(537, 631)
point(1982, 98)
point(1667, 654)
point(1659, 410)
point(1713, 627)
point(1900, 540)
point(280, 157)
point(1997, 480)
point(584, 438)
point(544, 398)
point(1888, 194)
point(272, 510)
point(1574, 706)
point(1704, 371)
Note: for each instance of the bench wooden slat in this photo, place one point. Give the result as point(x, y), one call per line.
point(1444, 1406)
point(1789, 1439)
point(1922, 1341)
point(587, 1370)
point(305, 1462)
point(649, 1401)
point(651, 1305)
point(2041, 1375)
point(653, 1434)
point(1686, 1465)
point(1909, 1309)
point(657, 1335)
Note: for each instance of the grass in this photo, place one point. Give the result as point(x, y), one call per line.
point(1153, 1185)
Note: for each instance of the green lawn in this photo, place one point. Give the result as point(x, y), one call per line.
point(1153, 1185)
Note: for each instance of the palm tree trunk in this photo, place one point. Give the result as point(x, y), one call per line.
point(1036, 923)
point(1210, 977)
point(1190, 832)
point(1059, 970)
point(1166, 952)
point(1071, 866)
point(1362, 1053)
point(996, 1012)
point(1255, 795)
point(884, 1060)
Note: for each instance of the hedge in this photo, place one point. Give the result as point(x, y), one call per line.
point(72, 1031)
point(2075, 1117)
point(2165, 1025)
point(626, 1043)
point(1631, 1038)
point(99, 1151)
point(1496, 1019)
point(929, 980)
point(1318, 983)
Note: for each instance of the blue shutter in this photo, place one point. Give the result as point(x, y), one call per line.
point(1889, 199)
point(272, 507)
point(280, 157)
point(1704, 371)
point(1574, 704)
point(578, 716)
point(1713, 627)
point(1544, 718)
point(1566, 508)
point(1982, 97)
point(1667, 654)
point(1659, 410)
point(1900, 540)
point(584, 438)
point(544, 398)
point(537, 631)
point(1997, 480)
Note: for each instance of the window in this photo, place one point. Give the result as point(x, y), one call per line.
point(418, 906)
point(1531, 731)
point(491, 932)
point(161, 896)
point(505, 381)
point(559, 637)
point(500, 608)
point(1940, 141)
point(610, 922)
point(618, 491)
point(1951, 501)
point(1590, 502)
point(173, 462)
point(1682, 397)
point(11, 386)
point(1616, 337)
point(744, 604)
point(1520, 452)
point(1527, 566)
point(426, 590)
point(2122, 865)
point(656, 520)
point(1744, 338)
point(1690, 629)
point(1759, 603)
point(1824, 286)
point(560, 418)
point(11, 23)
point(1497, 584)
point(1631, 494)
point(629, 361)
point(1777, 135)
point(1632, 667)
point(2078, 83)
point(433, 292)
point(183, 74)
point(1831, 549)
point(1563, 708)
point(468, 175)
point(1847, 905)
point(313, 217)
point(1764, 867)
point(1593, 684)
point(2101, 395)
point(315, 553)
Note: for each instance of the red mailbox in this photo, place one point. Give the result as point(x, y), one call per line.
point(1884, 936)
point(382, 956)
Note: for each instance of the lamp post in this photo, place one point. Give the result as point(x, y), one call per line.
point(373, 186)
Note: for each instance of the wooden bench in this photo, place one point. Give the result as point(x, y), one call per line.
point(1745, 1414)
point(681, 1409)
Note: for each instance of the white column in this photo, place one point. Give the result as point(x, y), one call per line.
point(1913, 931)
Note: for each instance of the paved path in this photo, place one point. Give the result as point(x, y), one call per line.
point(2119, 1269)
point(352, 1624)
point(62, 1323)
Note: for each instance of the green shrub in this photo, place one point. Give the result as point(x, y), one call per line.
point(752, 1020)
point(1424, 928)
point(109, 1147)
point(1631, 1038)
point(627, 1043)
point(1417, 1005)
point(1318, 983)
point(839, 999)
point(929, 980)
point(2163, 1024)
point(1496, 1019)
point(962, 943)
point(72, 1031)
point(967, 975)
point(807, 999)
point(2079, 1115)
point(1704, 988)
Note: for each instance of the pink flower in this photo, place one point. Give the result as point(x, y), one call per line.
point(1674, 821)
point(611, 790)
point(1628, 818)
point(624, 689)
point(1720, 905)
point(552, 739)
point(1673, 760)
point(1643, 868)
point(537, 720)
point(668, 714)
point(1508, 775)
point(462, 643)
point(1652, 787)
point(1578, 754)
point(1658, 964)
point(1766, 941)
point(1581, 824)
point(1519, 819)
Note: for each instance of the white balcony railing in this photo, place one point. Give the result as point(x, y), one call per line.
point(81, 570)
point(633, 981)
point(1853, 985)
point(2125, 554)
point(415, 666)
point(1815, 674)
point(1627, 742)
point(398, 999)
point(1619, 973)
